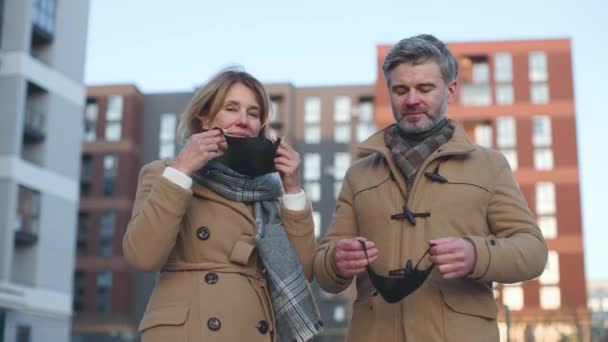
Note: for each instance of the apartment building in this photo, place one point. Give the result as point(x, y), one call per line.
point(42, 55)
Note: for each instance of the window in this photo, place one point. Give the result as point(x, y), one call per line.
point(550, 297)
point(483, 135)
point(28, 210)
point(312, 110)
point(166, 148)
point(550, 275)
point(312, 134)
point(91, 112)
point(337, 188)
point(110, 168)
point(481, 73)
point(342, 133)
point(341, 109)
point(545, 198)
point(23, 333)
point(43, 19)
point(539, 93)
point(79, 289)
point(312, 166)
point(313, 191)
point(316, 218)
point(106, 233)
point(81, 239)
point(537, 71)
point(104, 289)
point(503, 67)
point(86, 175)
point(504, 94)
point(475, 95)
point(506, 139)
point(513, 296)
point(365, 126)
point(541, 130)
point(548, 226)
point(114, 118)
point(341, 163)
point(543, 158)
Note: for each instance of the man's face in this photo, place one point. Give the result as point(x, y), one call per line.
point(419, 96)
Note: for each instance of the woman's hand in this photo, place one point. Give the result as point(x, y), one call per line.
point(200, 148)
point(287, 163)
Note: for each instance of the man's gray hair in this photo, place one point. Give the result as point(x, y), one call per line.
point(420, 49)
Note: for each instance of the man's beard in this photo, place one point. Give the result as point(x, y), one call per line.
point(433, 120)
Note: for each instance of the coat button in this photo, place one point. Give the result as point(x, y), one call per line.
point(214, 324)
point(211, 278)
point(203, 233)
point(262, 327)
point(493, 242)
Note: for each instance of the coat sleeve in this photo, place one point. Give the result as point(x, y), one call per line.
point(156, 219)
point(516, 250)
point(343, 226)
point(300, 230)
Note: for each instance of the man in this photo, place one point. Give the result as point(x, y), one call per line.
point(422, 186)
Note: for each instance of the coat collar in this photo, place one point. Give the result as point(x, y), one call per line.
point(204, 192)
point(459, 144)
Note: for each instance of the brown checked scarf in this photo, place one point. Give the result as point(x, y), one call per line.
point(411, 150)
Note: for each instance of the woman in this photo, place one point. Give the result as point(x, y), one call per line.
point(228, 270)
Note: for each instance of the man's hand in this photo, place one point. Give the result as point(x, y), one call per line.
point(350, 258)
point(454, 257)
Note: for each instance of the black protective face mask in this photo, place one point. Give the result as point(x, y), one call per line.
point(401, 282)
point(250, 156)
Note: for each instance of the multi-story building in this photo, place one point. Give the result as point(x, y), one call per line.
point(42, 55)
point(108, 296)
point(517, 97)
point(598, 308)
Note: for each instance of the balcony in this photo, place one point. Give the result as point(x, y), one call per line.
point(26, 233)
point(33, 127)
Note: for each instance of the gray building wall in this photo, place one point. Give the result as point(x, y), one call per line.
point(36, 278)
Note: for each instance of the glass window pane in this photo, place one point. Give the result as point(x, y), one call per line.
point(503, 67)
point(113, 131)
point(366, 111)
point(312, 110)
point(511, 156)
point(537, 71)
point(513, 297)
point(475, 95)
point(166, 150)
point(115, 104)
point(505, 131)
point(483, 135)
point(365, 130)
point(168, 123)
point(550, 297)
point(504, 94)
point(548, 226)
point(341, 109)
point(313, 191)
point(342, 134)
point(481, 73)
point(341, 164)
point(539, 93)
point(545, 198)
point(312, 166)
point(550, 275)
point(541, 130)
point(312, 134)
point(543, 159)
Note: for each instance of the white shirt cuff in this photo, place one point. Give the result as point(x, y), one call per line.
point(295, 201)
point(178, 177)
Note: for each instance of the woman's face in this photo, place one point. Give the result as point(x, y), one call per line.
point(240, 114)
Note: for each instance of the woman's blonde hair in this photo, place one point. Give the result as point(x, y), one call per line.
point(209, 98)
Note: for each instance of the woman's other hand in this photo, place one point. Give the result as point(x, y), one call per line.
point(287, 163)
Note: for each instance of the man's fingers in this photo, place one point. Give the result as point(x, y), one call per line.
point(356, 255)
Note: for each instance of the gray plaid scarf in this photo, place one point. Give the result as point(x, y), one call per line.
point(410, 150)
point(294, 307)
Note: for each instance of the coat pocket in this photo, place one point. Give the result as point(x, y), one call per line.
point(165, 323)
point(474, 300)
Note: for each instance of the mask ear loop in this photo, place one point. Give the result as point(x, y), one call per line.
point(364, 251)
point(428, 250)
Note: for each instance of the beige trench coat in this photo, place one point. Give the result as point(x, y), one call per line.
point(480, 201)
point(212, 286)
